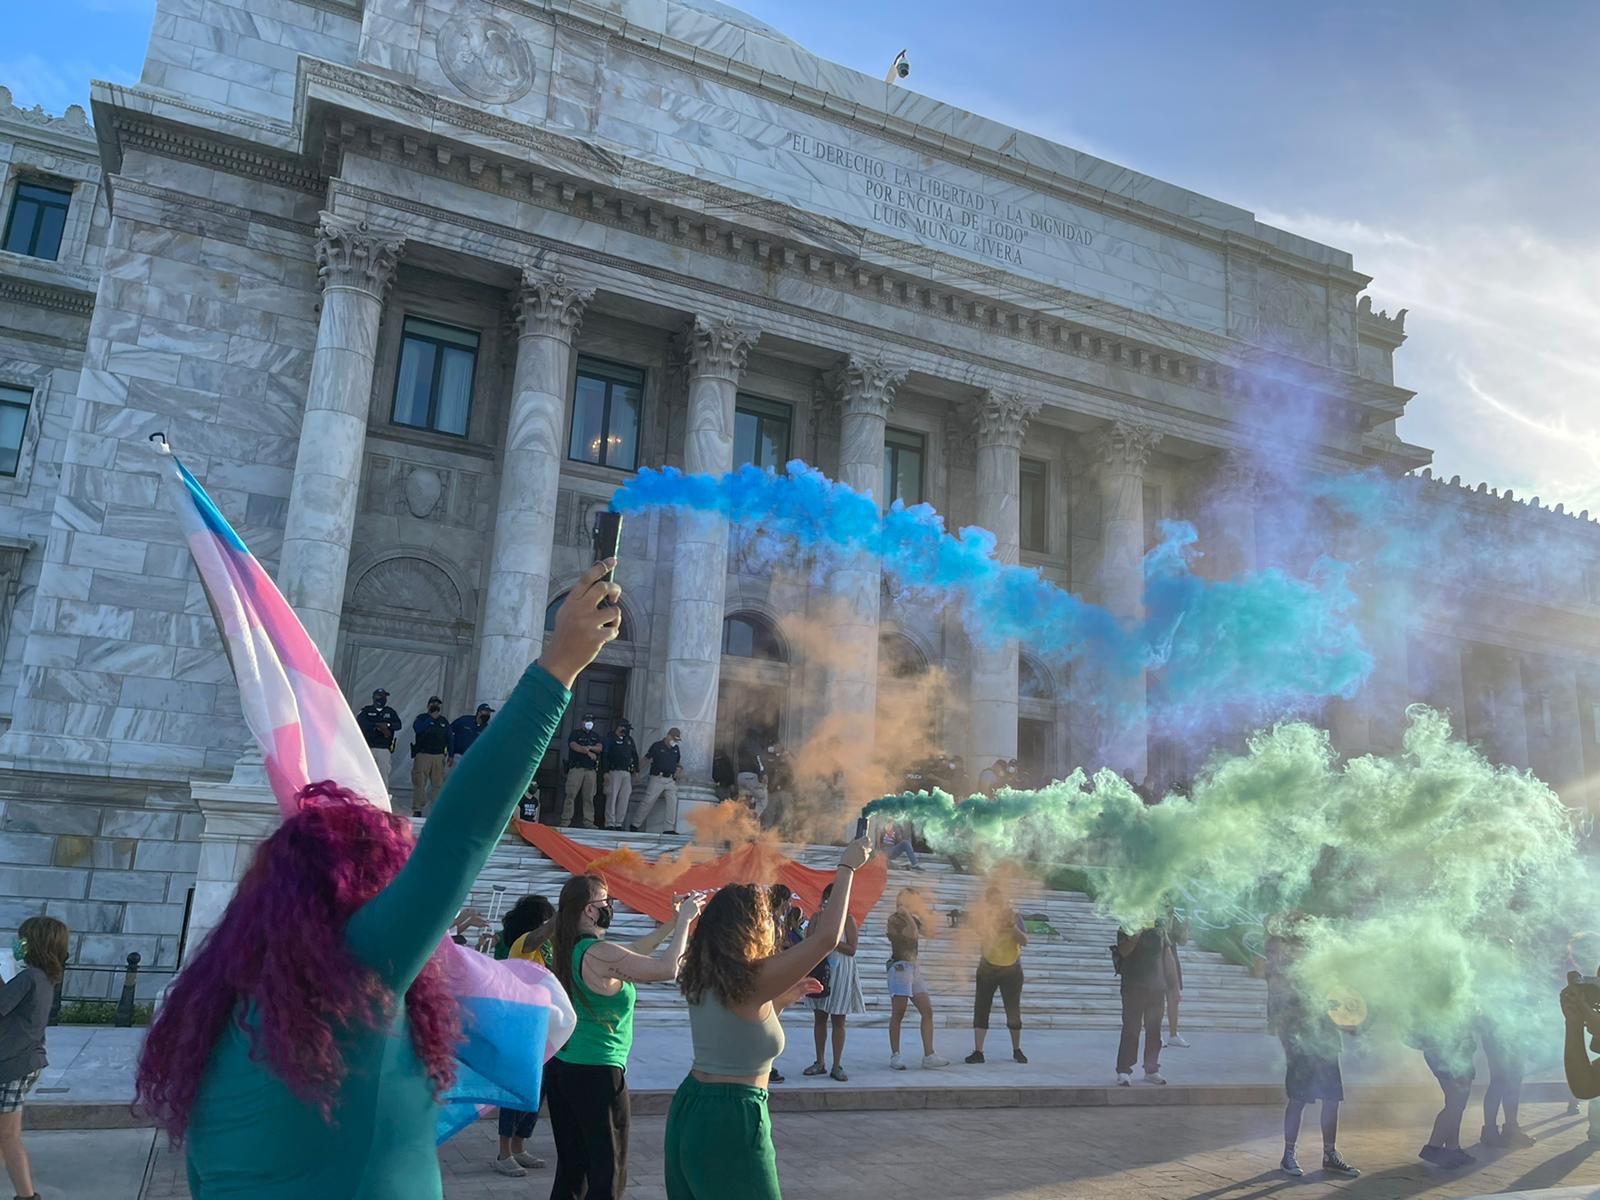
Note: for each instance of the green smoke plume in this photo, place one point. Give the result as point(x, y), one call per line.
point(1441, 888)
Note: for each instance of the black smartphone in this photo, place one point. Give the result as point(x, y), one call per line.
point(861, 828)
point(607, 534)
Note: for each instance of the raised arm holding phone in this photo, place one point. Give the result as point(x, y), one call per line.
point(719, 1137)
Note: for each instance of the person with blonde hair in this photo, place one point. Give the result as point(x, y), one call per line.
point(25, 1001)
point(719, 1136)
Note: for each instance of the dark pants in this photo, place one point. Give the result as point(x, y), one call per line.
point(514, 1123)
point(1141, 1005)
point(1009, 981)
point(589, 1115)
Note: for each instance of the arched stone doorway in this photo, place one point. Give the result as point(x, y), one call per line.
point(404, 629)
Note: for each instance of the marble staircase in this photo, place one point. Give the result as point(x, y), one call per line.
point(1070, 982)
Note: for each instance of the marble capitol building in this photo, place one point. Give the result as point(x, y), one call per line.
point(414, 285)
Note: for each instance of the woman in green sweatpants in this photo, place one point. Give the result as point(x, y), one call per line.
point(737, 981)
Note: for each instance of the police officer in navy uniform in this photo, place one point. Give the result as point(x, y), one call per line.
point(379, 724)
point(464, 730)
point(583, 777)
point(430, 738)
point(619, 761)
point(666, 768)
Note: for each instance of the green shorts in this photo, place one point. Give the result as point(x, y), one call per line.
point(719, 1144)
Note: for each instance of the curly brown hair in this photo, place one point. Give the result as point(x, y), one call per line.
point(733, 936)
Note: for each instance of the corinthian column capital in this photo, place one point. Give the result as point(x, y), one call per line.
point(352, 255)
point(1237, 476)
point(1001, 418)
point(867, 383)
point(1124, 446)
point(549, 304)
point(719, 347)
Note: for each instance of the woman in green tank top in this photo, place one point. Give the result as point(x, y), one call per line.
point(719, 1138)
point(586, 1082)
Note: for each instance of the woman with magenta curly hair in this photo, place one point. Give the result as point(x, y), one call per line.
point(302, 1052)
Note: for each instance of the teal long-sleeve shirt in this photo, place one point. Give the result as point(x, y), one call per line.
point(248, 1134)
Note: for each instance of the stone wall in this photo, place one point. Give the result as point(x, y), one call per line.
point(114, 861)
point(203, 329)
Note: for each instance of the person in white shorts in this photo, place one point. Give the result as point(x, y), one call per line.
point(905, 978)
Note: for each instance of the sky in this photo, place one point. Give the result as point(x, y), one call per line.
point(1449, 145)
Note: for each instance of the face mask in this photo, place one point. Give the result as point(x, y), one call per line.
point(602, 919)
point(673, 742)
point(588, 724)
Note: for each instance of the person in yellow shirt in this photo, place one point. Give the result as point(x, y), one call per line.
point(1003, 938)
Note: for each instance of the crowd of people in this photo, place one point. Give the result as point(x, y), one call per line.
point(303, 1049)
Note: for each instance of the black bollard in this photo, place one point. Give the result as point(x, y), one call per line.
point(130, 979)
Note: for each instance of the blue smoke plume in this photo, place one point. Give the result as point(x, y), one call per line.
point(1261, 644)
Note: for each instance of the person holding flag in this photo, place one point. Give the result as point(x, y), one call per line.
point(315, 1045)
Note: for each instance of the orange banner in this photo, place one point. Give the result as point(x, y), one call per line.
point(648, 887)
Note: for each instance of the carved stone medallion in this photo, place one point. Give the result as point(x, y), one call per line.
point(486, 59)
point(423, 490)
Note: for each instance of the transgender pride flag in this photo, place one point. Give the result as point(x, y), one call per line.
point(291, 703)
point(514, 1014)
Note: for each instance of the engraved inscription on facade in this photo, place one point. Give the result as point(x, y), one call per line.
point(937, 210)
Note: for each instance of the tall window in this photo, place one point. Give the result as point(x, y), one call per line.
point(14, 402)
point(761, 433)
point(1034, 506)
point(903, 452)
point(605, 414)
point(434, 387)
point(38, 215)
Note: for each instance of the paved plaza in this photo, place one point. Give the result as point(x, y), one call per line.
point(1149, 1153)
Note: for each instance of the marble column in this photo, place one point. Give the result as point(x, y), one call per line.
point(1000, 420)
point(549, 310)
point(1235, 492)
point(866, 388)
point(716, 353)
point(1120, 454)
point(1497, 715)
point(1556, 750)
point(356, 266)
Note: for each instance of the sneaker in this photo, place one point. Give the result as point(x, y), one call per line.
point(1018, 1056)
point(1489, 1136)
point(1178, 1040)
point(931, 1061)
point(1124, 1079)
point(896, 1063)
point(976, 1057)
point(532, 1161)
point(1512, 1135)
point(1430, 1153)
point(1289, 1165)
point(633, 829)
point(509, 1166)
point(1155, 1077)
point(1455, 1159)
point(839, 1075)
point(774, 1076)
point(1333, 1161)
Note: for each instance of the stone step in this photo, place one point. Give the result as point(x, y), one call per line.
point(1070, 982)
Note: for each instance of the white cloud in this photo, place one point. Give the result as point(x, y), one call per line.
point(56, 83)
point(1502, 322)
